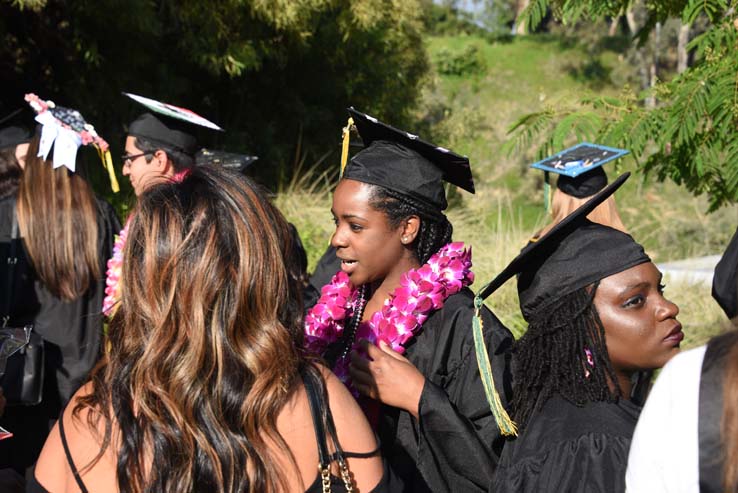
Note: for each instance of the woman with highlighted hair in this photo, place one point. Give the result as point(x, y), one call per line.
point(59, 236)
point(205, 386)
point(395, 323)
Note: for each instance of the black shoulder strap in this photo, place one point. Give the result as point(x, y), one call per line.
point(711, 412)
point(12, 261)
point(317, 409)
point(77, 477)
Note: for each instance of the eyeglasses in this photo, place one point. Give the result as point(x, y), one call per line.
point(129, 158)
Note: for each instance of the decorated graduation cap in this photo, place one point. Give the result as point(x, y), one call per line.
point(168, 125)
point(573, 254)
point(240, 162)
point(579, 168)
point(12, 131)
point(65, 130)
point(403, 162)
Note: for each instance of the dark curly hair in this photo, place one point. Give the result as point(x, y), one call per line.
point(435, 228)
point(552, 356)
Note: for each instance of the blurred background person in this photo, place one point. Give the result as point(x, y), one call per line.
point(64, 235)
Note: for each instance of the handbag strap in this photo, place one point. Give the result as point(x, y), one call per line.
point(322, 422)
point(12, 260)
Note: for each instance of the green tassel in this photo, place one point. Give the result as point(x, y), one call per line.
point(504, 423)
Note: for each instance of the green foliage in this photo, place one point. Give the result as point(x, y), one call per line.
point(690, 137)
point(466, 62)
point(276, 74)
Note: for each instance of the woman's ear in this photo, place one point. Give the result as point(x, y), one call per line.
point(410, 230)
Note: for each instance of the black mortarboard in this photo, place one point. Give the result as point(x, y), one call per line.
point(239, 162)
point(725, 280)
point(12, 136)
point(580, 168)
point(573, 254)
point(14, 130)
point(171, 126)
point(400, 161)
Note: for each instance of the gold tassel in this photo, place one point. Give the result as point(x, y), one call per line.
point(504, 423)
point(107, 162)
point(345, 145)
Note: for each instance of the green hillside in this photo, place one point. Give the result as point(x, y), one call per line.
point(477, 90)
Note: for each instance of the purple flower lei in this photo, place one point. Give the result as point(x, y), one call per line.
point(421, 292)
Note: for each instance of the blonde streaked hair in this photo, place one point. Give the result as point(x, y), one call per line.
point(205, 346)
point(57, 218)
point(564, 204)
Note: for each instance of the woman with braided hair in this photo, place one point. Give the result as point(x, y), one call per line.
point(395, 322)
point(596, 317)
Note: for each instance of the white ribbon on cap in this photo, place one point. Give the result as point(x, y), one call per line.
point(65, 142)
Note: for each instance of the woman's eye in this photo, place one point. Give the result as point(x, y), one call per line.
point(335, 220)
point(355, 227)
point(662, 287)
point(634, 301)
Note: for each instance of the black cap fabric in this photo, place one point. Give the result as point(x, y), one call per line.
point(400, 161)
point(170, 125)
point(13, 136)
point(584, 185)
point(573, 254)
point(155, 130)
point(240, 162)
point(725, 280)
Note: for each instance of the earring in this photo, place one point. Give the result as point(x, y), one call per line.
point(404, 239)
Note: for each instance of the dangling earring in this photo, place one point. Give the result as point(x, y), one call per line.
point(590, 362)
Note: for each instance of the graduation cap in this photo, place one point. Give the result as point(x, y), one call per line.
point(403, 162)
point(168, 125)
point(579, 168)
point(12, 132)
point(573, 254)
point(239, 162)
point(66, 129)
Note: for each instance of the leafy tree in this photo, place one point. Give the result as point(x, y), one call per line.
point(691, 135)
point(276, 74)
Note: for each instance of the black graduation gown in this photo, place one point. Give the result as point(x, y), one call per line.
point(72, 333)
point(725, 281)
point(570, 448)
point(455, 444)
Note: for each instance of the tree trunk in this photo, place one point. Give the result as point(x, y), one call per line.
point(520, 27)
point(630, 18)
point(653, 68)
point(614, 26)
point(682, 54)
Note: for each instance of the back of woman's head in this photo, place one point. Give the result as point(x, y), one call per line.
point(10, 172)
point(57, 218)
point(204, 345)
point(563, 204)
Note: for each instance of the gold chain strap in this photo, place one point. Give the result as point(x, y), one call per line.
point(325, 477)
point(346, 475)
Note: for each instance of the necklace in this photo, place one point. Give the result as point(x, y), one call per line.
point(355, 321)
point(338, 313)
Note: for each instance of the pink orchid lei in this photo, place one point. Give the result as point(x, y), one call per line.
point(421, 292)
point(115, 267)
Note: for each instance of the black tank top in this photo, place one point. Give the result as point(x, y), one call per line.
point(322, 421)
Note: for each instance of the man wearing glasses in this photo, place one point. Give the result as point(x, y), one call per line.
point(160, 145)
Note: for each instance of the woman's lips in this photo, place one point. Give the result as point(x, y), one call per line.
point(348, 266)
point(675, 336)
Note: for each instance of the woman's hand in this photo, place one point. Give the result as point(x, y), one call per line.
point(387, 376)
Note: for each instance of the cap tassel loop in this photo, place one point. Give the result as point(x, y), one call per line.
point(504, 423)
point(107, 161)
point(346, 134)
